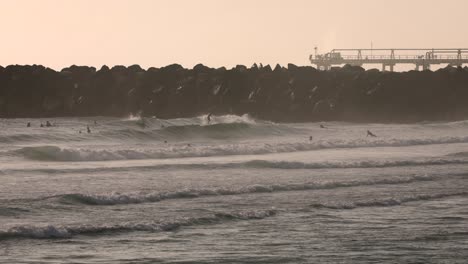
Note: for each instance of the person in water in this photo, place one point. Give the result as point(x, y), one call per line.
point(209, 118)
point(369, 133)
point(88, 130)
point(29, 124)
point(322, 126)
point(42, 125)
point(310, 138)
point(48, 124)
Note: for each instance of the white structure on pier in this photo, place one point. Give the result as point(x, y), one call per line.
point(422, 58)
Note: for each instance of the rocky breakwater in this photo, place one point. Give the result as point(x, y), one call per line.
point(280, 94)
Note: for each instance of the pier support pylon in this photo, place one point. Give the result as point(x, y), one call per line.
point(384, 67)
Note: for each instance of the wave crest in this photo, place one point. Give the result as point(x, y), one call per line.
point(135, 198)
point(51, 231)
point(392, 201)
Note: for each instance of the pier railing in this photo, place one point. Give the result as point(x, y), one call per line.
point(428, 57)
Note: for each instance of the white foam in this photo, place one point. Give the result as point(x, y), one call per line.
point(134, 198)
point(67, 231)
point(179, 150)
point(392, 201)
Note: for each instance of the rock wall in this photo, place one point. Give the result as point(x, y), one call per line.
point(279, 94)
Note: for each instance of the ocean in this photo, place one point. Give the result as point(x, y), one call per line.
point(232, 190)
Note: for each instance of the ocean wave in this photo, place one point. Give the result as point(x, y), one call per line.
point(214, 131)
point(54, 153)
point(68, 231)
point(135, 198)
point(12, 211)
point(165, 151)
point(351, 164)
point(142, 128)
point(198, 120)
point(253, 164)
point(458, 154)
point(392, 201)
point(35, 137)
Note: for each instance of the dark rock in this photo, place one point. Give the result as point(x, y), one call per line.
point(283, 94)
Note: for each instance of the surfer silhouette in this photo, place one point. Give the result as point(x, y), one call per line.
point(29, 124)
point(48, 124)
point(369, 133)
point(310, 138)
point(322, 126)
point(87, 129)
point(42, 125)
point(208, 118)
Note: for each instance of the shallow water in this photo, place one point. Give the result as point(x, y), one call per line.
point(236, 190)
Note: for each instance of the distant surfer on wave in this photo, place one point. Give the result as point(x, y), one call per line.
point(369, 133)
point(208, 118)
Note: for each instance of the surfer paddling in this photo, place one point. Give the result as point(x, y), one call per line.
point(369, 133)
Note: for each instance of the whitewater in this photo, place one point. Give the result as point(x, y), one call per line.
point(232, 190)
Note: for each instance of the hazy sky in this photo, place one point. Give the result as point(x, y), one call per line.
point(59, 33)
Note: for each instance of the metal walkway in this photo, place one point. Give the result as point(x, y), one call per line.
point(390, 57)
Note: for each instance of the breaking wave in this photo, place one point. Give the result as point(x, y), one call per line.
point(164, 151)
point(353, 164)
point(135, 198)
point(141, 128)
point(53, 153)
point(393, 201)
point(196, 131)
point(53, 231)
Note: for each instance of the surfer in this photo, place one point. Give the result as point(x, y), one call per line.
point(369, 133)
point(310, 138)
point(165, 141)
point(209, 118)
point(48, 124)
point(42, 125)
point(29, 124)
point(88, 130)
point(322, 126)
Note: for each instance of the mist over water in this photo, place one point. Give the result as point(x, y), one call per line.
point(232, 190)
